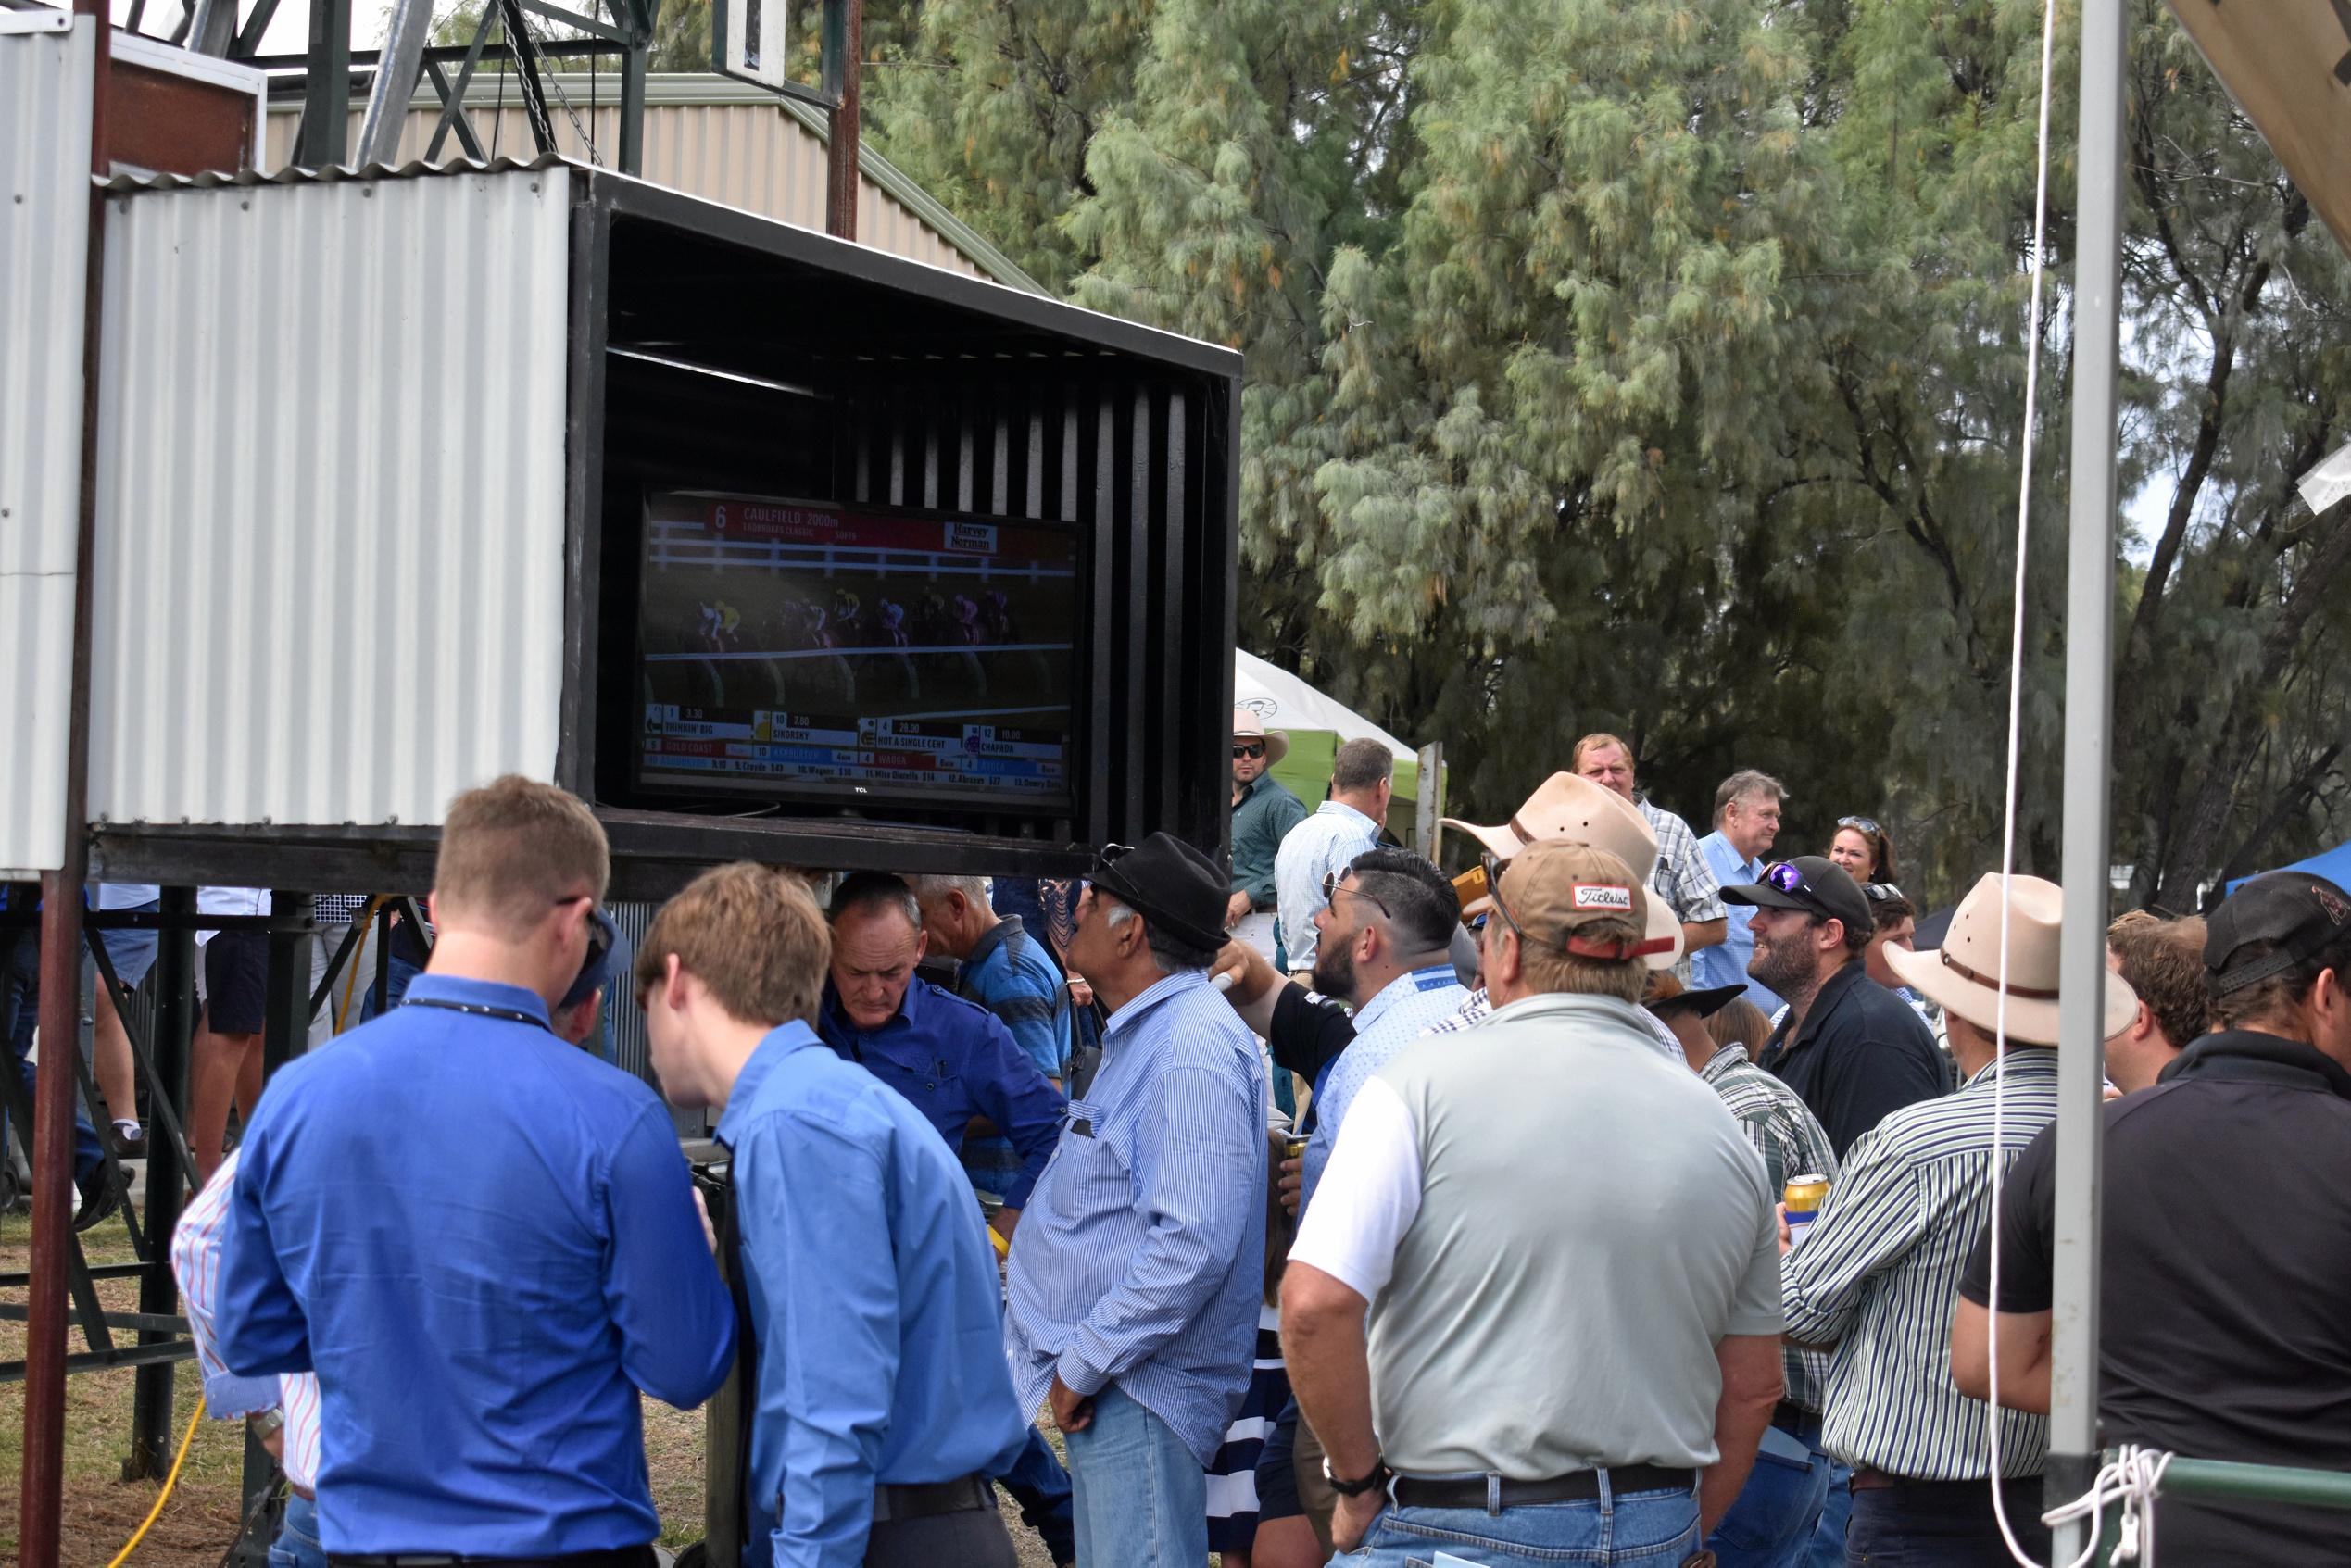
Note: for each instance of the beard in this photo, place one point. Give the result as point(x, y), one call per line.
point(1783, 967)
point(1335, 972)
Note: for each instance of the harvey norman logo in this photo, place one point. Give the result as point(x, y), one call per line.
point(977, 538)
point(1603, 898)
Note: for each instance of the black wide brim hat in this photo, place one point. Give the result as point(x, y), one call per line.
point(1170, 884)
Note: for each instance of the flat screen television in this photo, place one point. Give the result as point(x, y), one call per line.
point(803, 651)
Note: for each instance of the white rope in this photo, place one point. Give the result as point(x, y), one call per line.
point(2132, 1478)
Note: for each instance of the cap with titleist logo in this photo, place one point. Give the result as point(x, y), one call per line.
point(1578, 899)
point(2296, 915)
point(1607, 897)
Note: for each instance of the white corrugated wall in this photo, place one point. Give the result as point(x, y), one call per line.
point(44, 232)
point(330, 571)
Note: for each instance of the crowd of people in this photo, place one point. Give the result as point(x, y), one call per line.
point(1341, 1209)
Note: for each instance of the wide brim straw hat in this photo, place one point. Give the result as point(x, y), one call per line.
point(1965, 974)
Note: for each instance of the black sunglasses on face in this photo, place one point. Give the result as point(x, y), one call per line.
point(1251, 752)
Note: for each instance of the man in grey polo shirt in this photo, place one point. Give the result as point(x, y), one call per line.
point(1568, 1257)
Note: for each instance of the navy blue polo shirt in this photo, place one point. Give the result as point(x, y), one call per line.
point(954, 1062)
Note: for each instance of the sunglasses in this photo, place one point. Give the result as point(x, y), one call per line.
point(1250, 752)
point(1879, 892)
point(1331, 890)
point(1492, 866)
point(1864, 824)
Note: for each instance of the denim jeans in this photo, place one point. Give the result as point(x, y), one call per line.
point(1140, 1498)
point(1041, 1487)
point(1653, 1529)
point(1836, 1517)
point(298, 1543)
point(1771, 1524)
point(1944, 1525)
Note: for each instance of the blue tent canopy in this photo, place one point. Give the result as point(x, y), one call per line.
point(2333, 864)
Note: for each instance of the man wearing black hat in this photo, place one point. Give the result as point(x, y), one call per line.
point(1136, 1276)
point(1853, 1049)
point(2223, 1268)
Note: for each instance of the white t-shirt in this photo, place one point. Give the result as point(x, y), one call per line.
point(229, 901)
point(127, 895)
point(1369, 1195)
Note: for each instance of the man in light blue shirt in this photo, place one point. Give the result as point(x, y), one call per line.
point(1137, 1273)
point(1746, 821)
point(485, 1292)
point(1386, 947)
point(882, 1403)
point(1325, 844)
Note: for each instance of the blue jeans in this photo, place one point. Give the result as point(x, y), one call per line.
point(1947, 1524)
point(1836, 1516)
point(1771, 1524)
point(1041, 1487)
point(1140, 1500)
point(298, 1543)
point(1653, 1529)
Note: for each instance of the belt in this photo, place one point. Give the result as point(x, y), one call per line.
point(1788, 1416)
point(1878, 1481)
point(1581, 1486)
point(898, 1503)
point(613, 1557)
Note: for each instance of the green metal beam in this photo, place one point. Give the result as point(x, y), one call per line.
point(2220, 1479)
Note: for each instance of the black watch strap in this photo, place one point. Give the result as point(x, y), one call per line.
point(1378, 1477)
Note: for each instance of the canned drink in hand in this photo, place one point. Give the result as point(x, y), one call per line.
point(1805, 1195)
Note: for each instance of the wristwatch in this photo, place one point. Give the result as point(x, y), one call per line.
point(1378, 1477)
point(265, 1423)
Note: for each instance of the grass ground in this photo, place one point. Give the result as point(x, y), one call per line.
point(200, 1520)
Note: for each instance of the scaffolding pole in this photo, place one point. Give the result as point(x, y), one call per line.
point(2073, 1399)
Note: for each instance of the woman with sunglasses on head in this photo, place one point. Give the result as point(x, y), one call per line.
point(1861, 847)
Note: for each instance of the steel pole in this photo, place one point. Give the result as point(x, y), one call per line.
point(843, 63)
point(41, 1483)
point(2073, 1395)
point(398, 68)
point(326, 87)
point(169, 1041)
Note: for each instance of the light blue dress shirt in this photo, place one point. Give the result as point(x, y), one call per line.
point(1140, 1258)
point(1726, 964)
point(1406, 1008)
point(484, 1241)
point(1328, 841)
point(873, 1298)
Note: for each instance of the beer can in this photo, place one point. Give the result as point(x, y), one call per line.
point(1295, 1146)
point(1805, 1195)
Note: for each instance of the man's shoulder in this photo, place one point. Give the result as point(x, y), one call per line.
point(817, 1088)
point(1867, 1010)
point(956, 1017)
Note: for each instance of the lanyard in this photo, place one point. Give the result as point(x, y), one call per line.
point(476, 1009)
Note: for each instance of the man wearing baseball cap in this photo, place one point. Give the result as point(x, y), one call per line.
point(1136, 1274)
point(1853, 1049)
point(1874, 1275)
point(2223, 1272)
point(1264, 812)
point(1545, 1180)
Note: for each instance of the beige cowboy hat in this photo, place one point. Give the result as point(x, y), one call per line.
point(1574, 811)
point(1965, 975)
point(1248, 725)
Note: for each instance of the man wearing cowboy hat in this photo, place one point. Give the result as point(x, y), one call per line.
point(1136, 1276)
point(1264, 812)
point(1542, 1182)
point(2222, 1270)
point(1874, 1275)
point(1850, 1046)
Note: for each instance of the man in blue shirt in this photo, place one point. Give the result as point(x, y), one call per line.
point(1746, 821)
point(1135, 1282)
point(883, 1405)
point(955, 1062)
point(1361, 785)
point(482, 1239)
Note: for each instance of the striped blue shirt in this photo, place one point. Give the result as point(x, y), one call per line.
point(1139, 1260)
point(1878, 1272)
point(1404, 1009)
point(1328, 841)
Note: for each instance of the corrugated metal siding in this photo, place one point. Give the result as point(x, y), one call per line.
point(45, 233)
point(756, 156)
point(330, 574)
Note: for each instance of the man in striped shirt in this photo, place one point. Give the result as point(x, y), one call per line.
point(1876, 1274)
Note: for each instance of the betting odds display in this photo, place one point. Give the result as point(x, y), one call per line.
point(856, 653)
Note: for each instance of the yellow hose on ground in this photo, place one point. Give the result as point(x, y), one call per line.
point(164, 1496)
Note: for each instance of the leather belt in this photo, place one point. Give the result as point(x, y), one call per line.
point(1878, 1481)
point(934, 1498)
point(616, 1556)
point(1581, 1486)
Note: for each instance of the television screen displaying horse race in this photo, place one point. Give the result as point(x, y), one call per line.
point(795, 647)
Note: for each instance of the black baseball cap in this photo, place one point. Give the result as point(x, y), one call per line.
point(2301, 914)
point(1813, 884)
point(1705, 1001)
point(1170, 884)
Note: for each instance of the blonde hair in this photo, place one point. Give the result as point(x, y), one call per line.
point(752, 934)
point(513, 850)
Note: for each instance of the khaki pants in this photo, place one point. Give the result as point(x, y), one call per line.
point(1313, 1487)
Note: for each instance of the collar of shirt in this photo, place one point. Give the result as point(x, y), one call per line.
point(2250, 1054)
point(909, 1004)
point(2021, 1064)
point(778, 1043)
point(1127, 1018)
point(1721, 856)
point(1723, 1062)
point(1824, 1003)
point(1570, 1006)
point(458, 991)
point(1411, 985)
point(1341, 808)
point(1003, 932)
point(1249, 792)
